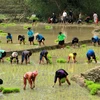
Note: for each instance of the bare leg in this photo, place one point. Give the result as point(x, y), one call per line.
point(68, 81)
point(25, 82)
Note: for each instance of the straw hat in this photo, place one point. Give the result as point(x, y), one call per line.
point(36, 34)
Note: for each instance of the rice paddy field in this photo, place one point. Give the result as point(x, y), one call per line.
point(12, 75)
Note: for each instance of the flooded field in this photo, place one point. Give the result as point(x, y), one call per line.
point(50, 35)
point(13, 77)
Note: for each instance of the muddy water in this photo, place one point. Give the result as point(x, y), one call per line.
point(49, 34)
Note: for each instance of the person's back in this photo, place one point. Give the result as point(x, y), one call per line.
point(90, 51)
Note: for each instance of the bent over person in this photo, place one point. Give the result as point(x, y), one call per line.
point(43, 54)
point(61, 75)
point(30, 76)
point(14, 56)
point(26, 56)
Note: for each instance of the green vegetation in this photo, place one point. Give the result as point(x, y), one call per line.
point(93, 87)
point(61, 60)
point(63, 80)
point(9, 90)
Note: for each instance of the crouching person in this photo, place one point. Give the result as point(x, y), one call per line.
point(30, 76)
point(61, 75)
point(14, 55)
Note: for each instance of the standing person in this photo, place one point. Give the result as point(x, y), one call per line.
point(9, 38)
point(40, 38)
point(70, 16)
point(91, 55)
point(61, 74)
point(73, 56)
point(95, 17)
point(2, 55)
point(75, 42)
point(21, 39)
point(26, 56)
point(80, 18)
point(14, 55)
point(31, 77)
point(30, 36)
point(95, 39)
point(43, 54)
point(64, 16)
point(61, 39)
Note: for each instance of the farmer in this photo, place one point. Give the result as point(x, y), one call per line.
point(14, 55)
point(61, 74)
point(40, 38)
point(26, 56)
point(1, 81)
point(61, 39)
point(9, 38)
point(30, 76)
point(91, 55)
point(73, 56)
point(2, 55)
point(43, 54)
point(75, 41)
point(30, 36)
point(95, 39)
point(21, 39)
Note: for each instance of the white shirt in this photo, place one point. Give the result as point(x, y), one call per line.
point(64, 14)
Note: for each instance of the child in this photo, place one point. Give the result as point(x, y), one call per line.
point(26, 56)
point(73, 56)
point(91, 54)
point(60, 74)
point(2, 55)
point(21, 39)
point(14, 56)
point(43, 54)
point(30, 76)
point(40, 38)
point(75, 41)
point(9, 38)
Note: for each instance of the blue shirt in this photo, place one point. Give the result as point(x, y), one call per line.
point(30, 33)
point(90, 52)
point(1, 51)
point(39, 37)
point(9, 37)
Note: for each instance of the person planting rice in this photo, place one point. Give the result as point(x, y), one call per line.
point(75, 42)
point(61, 75)
point(30, 76)
point(2, 55)
point(30, 36)
point(95, 40)
point(43, 54)
point(1, 81)
point(9, 38)
point(40, 38)
point(61, 39)
point(14, 55)
point(21, 39)
point(73, 56)
point(91, 55)
point(26, 56)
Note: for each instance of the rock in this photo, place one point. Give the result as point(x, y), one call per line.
point(98, 93)
point(92, 74)
point(78, 79)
